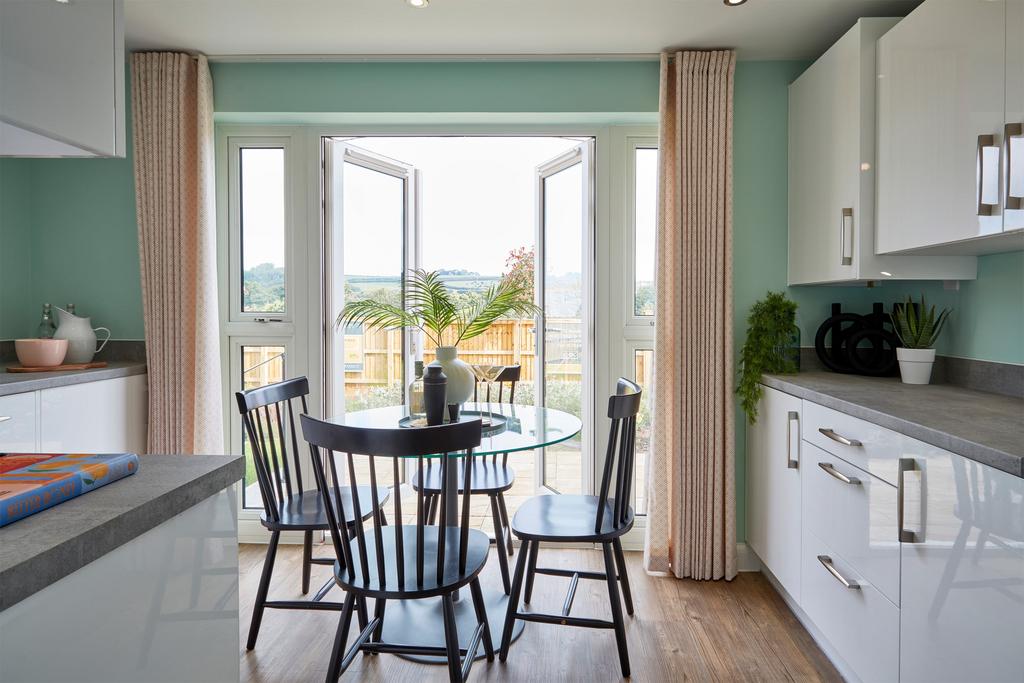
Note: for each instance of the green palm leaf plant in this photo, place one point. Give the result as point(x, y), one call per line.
point(430, 308)
point(918, 326)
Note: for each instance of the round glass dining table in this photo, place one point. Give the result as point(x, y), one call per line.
point(512, 429)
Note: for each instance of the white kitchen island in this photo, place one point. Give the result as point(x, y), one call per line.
point(136, 581)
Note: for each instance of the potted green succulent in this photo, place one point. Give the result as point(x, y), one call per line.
point(769, 347)
point(918, 328)
point(431, 308)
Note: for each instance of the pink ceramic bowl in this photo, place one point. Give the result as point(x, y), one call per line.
point(40, 353)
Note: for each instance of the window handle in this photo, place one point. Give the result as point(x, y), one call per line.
point(268, 320)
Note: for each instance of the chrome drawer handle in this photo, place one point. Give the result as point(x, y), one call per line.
point(826, 562)
point(4, 418)
point(839, 438)
point(792, 417)
point(833, 472)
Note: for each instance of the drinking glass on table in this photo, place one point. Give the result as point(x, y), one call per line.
point(488, 373)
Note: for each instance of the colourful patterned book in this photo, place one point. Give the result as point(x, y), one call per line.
point(30, 482)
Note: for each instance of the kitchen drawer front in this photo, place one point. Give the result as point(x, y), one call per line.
point(860, 623)
point(18, 423)
point(855, 514)
point(874, 449)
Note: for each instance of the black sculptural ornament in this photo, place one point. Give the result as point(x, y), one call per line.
point(851, 343)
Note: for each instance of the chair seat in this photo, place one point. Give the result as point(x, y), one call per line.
point(567, 518)
point(487, 476)
point(451, 578)
point(305, 511)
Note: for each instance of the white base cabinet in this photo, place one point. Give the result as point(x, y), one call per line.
point(106, 416)
point(773, 492)
point(909, 558)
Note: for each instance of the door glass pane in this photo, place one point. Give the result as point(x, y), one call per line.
point(261, 365)
point(643, 365)
point(563, 312)
point(645, 207)
point(262, 219)
point(373, 239)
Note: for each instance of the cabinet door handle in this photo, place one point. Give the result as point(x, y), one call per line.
point(833, 472)
point(826, 562)
point(4, 418)
point(846, 236)
point(792, 417)
point(1013, 130)
point(839, 438)
point(905, 536)
point(985, 142)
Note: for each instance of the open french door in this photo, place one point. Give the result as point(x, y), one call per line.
point(565, 329)
point(371, 241)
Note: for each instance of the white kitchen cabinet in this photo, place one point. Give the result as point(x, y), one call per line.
point(962, 571)
point(773, 487)
point(108, 416)
point(943, 79)
point(832, 172)
point(1013, 131)
point(62, 78)
point(19, 426)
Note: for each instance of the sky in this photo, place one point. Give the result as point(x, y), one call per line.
point(478, 203)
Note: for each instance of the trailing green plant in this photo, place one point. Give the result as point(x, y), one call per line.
point(443, 318)
point(918, 326)
point(771, 326)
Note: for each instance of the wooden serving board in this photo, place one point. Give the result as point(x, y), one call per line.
point(59, 368)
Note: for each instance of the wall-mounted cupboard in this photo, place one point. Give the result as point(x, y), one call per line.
point(832, 172)
point(951, 129)
point(62, 78)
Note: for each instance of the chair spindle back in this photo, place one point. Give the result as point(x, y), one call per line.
point(326, 440)
point(268, 416)
point(623, 407)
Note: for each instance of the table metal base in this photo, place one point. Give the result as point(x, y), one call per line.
point(420, 622)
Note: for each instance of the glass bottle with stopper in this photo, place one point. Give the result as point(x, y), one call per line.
point(417, 410)
point(46, 327)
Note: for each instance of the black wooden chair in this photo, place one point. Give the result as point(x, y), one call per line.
point(584, 519)
point(268, 415)
point(491, 476)
point(399, 562)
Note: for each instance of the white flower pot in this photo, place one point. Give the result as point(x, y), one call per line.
point(460, 375)
point(915, 365)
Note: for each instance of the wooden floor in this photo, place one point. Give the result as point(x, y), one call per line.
point(683, 630)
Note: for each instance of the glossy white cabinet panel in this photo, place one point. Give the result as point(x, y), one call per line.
point(832, 172)
point(858, 621)
point(161, 608)
point(963, 574)
point(856, 514)
point(19, 428)
point(62, 78)
point(1013, 142)
point(773, 487)
point(941, 98)
point(95, 417)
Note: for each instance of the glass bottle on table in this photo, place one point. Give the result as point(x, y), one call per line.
point(417, 409)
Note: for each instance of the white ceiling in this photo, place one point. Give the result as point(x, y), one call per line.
point(760, 29)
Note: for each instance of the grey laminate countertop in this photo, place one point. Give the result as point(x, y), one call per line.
point(987, 428)
point(47, 546)
point(20, 382)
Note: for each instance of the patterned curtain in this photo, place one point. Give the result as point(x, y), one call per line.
point(691, 528)
point(172, 134)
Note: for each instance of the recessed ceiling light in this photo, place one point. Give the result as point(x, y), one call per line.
point(418, 4)
point(734, 3)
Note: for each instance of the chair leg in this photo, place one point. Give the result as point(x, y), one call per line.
point(620, 561)
point(261, 592)
point(504, 517)
point(481, 616)
point(432, 509)
point(531, 572)
point(378, 612)
point(340, 638)
point(382, 518)
point(361, 613)
point(613, 597)
point(499, 534)
point(451, 639)
point(307, 560)
point(513, 602)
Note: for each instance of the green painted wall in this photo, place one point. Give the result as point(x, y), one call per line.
point(15, 247)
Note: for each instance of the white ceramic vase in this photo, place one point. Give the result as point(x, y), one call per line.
point(80, 335)
point(915, 365)
point(460, 375)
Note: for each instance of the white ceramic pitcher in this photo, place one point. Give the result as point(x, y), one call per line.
point(81, 337)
